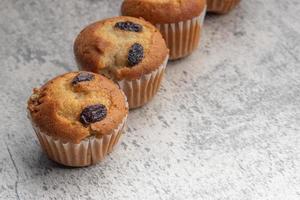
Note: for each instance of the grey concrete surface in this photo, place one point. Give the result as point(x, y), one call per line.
point(225, 124)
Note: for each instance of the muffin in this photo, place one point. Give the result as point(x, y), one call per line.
point(221, 6)
point(180, 22)
point(129, 51)
point(78, 117)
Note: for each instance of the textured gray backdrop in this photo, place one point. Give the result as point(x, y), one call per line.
point(225, 124)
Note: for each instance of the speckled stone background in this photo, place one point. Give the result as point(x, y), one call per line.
point(225, 124)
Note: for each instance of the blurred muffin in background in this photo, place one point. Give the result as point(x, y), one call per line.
point(180, 22)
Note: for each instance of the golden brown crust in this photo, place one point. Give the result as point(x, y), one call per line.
point(55, 108)
point(101, 48)
point(163, 11)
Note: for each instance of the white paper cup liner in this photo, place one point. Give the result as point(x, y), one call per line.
point(182, 38)
point(89, 151)
point(141, 91)
point(221, 6)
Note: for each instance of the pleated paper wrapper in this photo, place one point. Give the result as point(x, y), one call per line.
point(182, 38)
point(88, 152)
point(221, 6)
point(141, 91)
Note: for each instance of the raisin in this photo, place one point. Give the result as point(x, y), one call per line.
point(135, 54)
point(83, 76)
point(129, 26)
point(93, 113)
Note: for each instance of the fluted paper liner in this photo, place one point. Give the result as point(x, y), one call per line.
point(88, 152)
point(141, 91)
point(182, 38)
point(85, 153)
point(221, 6)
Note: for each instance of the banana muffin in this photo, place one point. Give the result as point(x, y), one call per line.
point(180, 22)
point(78, 117)
point(221, 6)
point(128, 50)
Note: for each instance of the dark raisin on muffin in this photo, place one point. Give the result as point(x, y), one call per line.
point(135, 54)
point(93, 113)
point(82, 76)
point(129, 26)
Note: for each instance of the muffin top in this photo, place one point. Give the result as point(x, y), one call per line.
point(163, 11)
point(77, 105)
point(120, 48)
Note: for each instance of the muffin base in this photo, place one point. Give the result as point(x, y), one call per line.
point(87, 152)
point(221, 6)
point(182, 38)
point(141, 91)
